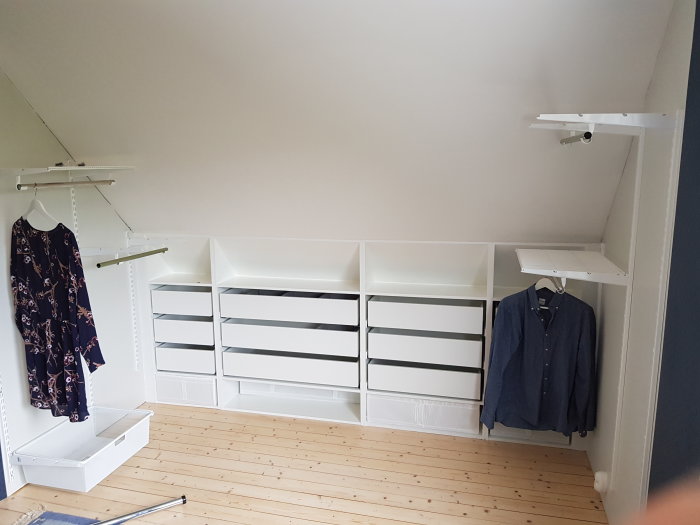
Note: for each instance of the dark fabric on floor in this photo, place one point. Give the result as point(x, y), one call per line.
point(54, 518)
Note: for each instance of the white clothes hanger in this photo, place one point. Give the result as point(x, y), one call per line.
point(547, 283)
point(550, 284)
point(37, 206)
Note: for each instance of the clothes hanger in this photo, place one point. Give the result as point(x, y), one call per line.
point(37, 206)
point(547, 283)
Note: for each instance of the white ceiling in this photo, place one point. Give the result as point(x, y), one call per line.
point(340, 119)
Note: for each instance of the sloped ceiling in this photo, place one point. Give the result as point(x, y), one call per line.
point(340, 119)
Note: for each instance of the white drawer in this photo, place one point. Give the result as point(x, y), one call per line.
point(182, 300)
point(300, 307)
point(440, 348)
point(186, 390)
point(304, 338)
point(180, 358)
point(435, 315)
point(184, 330)
point(427, 381)
point(262, 365)
point(423, 414)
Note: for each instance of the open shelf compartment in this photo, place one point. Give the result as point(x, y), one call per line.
point(187, 262)
point(424, 269)
point(290, 400)
point(288, 264)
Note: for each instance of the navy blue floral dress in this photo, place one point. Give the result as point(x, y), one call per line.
point(53, 315)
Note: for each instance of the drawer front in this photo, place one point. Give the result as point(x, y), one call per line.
point(422, 347)
point(427, 381)
point(183, 331)
point(191, 360)
point(310, 340)
point(435, 317)
point(172, 300)
point(324, 309)
point(186, 390)
point(297, 369)
point(422, 414)
point(451, 417)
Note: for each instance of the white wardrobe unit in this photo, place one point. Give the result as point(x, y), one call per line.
point(383, 333)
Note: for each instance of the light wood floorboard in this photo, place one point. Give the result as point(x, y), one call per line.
point(238, 468)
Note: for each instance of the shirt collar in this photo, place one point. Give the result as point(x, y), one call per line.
point(535, 302)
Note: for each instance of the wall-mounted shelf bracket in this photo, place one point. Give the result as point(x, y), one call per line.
point(571, 264)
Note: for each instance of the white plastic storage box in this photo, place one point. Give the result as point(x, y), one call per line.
point(427, 414)
point(77, 456)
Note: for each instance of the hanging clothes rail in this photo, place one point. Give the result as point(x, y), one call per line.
point(38, 185)
point(131, 257)
point(74, 169)
point(80, 170)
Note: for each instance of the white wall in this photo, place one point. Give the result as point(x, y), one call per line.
point(26, 142)
point(666, 93)
point(111, 290)
point(371, 119)
point(613, 318)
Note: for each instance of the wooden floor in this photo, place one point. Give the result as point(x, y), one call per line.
point(253, 469)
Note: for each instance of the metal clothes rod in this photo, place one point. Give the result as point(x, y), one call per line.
point(179, 501)
point(131, 257)
point(36, 185)
point(581, 137)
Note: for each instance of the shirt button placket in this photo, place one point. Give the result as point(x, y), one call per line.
point(546, 364)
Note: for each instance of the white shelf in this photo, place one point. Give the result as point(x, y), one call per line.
point(445, 291)
point(642, 120)
point(571, 264)
point(427, 397)
point(613, 123)
point(289, 407)
point(296, 285)
point(85, 170)
point(315, 386)
point(183, 278)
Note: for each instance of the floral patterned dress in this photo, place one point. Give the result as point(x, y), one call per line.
point(53, 315)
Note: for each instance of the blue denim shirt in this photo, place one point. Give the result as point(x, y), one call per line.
point(542, 367)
